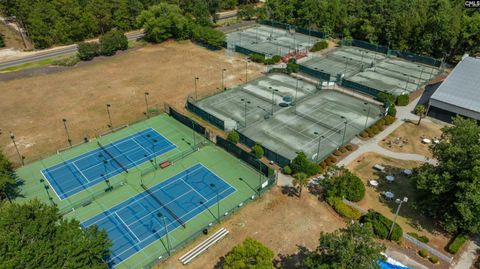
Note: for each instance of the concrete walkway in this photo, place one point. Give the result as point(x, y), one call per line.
point(470, 254)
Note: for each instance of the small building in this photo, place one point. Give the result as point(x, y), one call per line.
point(459, 94)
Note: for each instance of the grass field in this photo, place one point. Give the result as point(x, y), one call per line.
point(244, 179)
point(80, 94)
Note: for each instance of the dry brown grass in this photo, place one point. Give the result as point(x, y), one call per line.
point(409, 218)
point(407, 138)
point(33, 107)
point(12, 39)
point(277, 220)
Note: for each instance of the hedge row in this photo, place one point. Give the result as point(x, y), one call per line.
point(377, 127)
point(381, 226)
point(343, 209)
point(320, 45)
point(420, 238)
point(259, 58)
point(457, 243)
point(424, 254)
point(400, 100)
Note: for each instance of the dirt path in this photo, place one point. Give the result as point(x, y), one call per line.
point(33, 107)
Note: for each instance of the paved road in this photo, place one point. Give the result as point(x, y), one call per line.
point(55, 52)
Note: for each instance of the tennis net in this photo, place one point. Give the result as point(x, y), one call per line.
point(310, 118)
point(111, 156)
point(164, 206)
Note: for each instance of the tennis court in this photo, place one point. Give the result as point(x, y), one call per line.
point(74, 175)
point(150, 215)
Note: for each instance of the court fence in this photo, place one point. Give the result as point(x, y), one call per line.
point(315, 73)
point(360, 88)
point(246, 51)
point(187, 121)
point(364, 45)
point(269, 154)
point(415, 57)
point(286, 26)
point(205, 115)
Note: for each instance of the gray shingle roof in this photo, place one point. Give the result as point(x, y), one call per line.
point(462, 86)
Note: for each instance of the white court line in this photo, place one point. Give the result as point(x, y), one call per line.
point(167, 226)
point(128, 204)
point(146, 150)
point(194, 190)
point(76, 167)
point(126, 226)
point(51, 186)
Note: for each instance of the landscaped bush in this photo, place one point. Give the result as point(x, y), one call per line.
point(389, 120)
point(320, 45)
point(423, 253)
point(88, 51)
point(275, 59)
point(323, 165)
point(383, 97)
point(343, 209)
point(233, 137)
point(343, 150)
point(433, 259)
point(420, 238)
point(349, 147)
point(257, 58)
point(457, 243)
point(381, 226)
point(347, 185)
point(301, 164)
point(392, 111)
point(333, 159)
point(337, 153)
point(364, 134)
point(287, 170)
point(403, 100)
point(292, 66)
point(257, 151)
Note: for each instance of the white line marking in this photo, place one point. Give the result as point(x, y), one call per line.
point(126, 226)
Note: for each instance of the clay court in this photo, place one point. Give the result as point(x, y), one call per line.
point(80, 94)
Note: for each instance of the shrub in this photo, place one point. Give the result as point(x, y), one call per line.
point(337, 153)
point(333, 159)
point(88, 51)
point(383, 97)
point(381, 122)
point(320, 45)
point(364, 134)
point(323, 165)
point(370, 131)
point(67, 61)
point(257, 151)
point(433, 259)
point(208, 36)
point(258, 58)
point(301, 164)
point(292, 66)
point(403, 100)
point(347, 185)
point(343, 209)
point(423, 253)
point(113, 41)
point(276, 58)
point(2, 42)
point(457, 243)
point(287, 170)
point(392, 111)
point(389, 120)
point(343, 150)
point(233, 137)
point(381, 226)
point(420, 238)
point(349, 147)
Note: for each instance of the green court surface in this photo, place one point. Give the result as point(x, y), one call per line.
point(96, 199)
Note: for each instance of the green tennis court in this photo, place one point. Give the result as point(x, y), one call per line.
point(103, 196)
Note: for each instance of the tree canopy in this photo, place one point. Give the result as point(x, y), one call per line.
point(35, 236)
point(249, 254)
point(448, 191)
point(344, 185)
point(301, 164)
point(8, 184)
point(351, 247)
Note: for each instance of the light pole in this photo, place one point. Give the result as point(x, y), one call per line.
point(320, 137)
point(344, 130)
point(246, 70)
point(196, 93)
point(399, 202)
point(368, 114)
point(109, 116)
point(273, 98)
point(246, 102)
point(296, 94)
point(223, 78)
point(218, 201)
point(346, 64)
point(12, 137)
point(146, 103)
point(166, 231)
point(406, 84)
point(66, 130)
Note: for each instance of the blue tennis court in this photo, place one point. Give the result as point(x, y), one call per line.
point(74, 175)
point(142, 219)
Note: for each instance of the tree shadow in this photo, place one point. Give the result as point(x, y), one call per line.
point(291, 261)
point(220, 263)
point(401, 187)
point(290, 191)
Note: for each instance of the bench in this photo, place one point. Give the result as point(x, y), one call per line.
point(165, 164)
point(202, 247)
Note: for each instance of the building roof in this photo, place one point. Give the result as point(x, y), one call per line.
point(461, 89)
